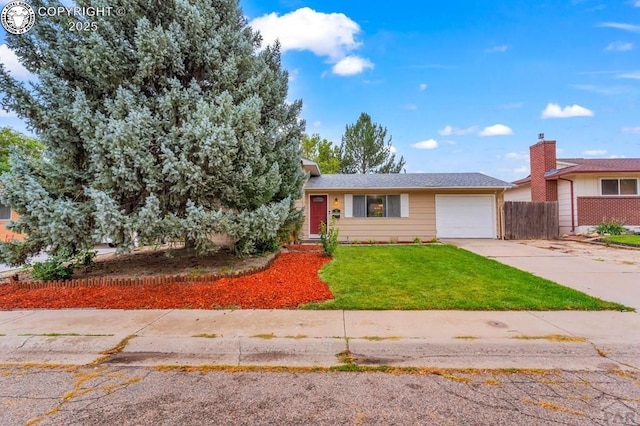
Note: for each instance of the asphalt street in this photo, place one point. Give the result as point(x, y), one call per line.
point(103, 395)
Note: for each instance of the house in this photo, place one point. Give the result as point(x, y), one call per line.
point(588, 191)
point(7, 215)
point(402, 207)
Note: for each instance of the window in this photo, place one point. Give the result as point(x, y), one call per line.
point(376, 206)
point(619, 186)
point(5, 212)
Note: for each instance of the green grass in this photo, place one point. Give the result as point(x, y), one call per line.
point(440, 277)
point(631, 240)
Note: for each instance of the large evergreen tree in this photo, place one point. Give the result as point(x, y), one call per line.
point(366, 149)
point(167, 122)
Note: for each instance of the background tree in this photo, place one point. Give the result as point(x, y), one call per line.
point(165, 123)
point(10, 139)
point(322, 151)
point(366, 149)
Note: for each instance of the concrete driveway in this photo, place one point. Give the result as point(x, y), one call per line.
point(608, 280)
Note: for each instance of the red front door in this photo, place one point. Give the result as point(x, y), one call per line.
point(317, 213)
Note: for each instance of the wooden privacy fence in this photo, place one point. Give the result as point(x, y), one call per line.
point(531, 220)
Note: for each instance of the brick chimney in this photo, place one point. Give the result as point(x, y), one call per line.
point(543, 159)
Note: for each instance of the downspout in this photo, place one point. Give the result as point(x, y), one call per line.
point(573, 216)
point(501, 212)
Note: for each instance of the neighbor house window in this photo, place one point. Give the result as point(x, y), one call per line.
point(376, 206)
point(5, 212)
point(619, 186)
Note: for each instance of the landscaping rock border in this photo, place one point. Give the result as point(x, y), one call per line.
point(139, 281)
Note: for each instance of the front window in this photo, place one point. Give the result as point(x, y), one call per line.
point(5, 212)
point(376, 206)
point(619, 186)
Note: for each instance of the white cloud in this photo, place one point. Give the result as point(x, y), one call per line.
point(635, 129)
point(619, 46)
point(351, 65)
point(637, 3)
point(428, 144)
point(411, 107)
point(555, 111)
point(521, 170)
point(332, 35)
point(594, 152)
point(458, 131)
point(516, 156)
point(617, 156)
point(423, 86)
point(496, 130)
point(316, 124)
point(12, 64)
point(620, 26)
point(497, 49)
point(611, 90)
point(392, 149)
point(635, 75)
point(325, 34)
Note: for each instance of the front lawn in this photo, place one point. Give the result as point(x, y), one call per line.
point(440, 277)
point(629, 240)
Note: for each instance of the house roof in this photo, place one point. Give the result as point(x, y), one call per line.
point(405, 181)
point(594, 165)
point(311, 166)
point(590, 165)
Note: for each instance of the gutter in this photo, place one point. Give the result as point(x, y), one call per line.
point(573, 216)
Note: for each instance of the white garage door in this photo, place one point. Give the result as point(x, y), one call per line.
point(465, 216)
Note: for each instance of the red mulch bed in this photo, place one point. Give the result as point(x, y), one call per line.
point(291, 280)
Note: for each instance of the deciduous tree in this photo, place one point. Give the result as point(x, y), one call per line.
point(9, 140)
point(322, 151)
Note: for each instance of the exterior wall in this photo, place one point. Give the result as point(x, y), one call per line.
point(590, 213)
point(5, 234)
point(567, 225)
point(520, 193)
point(421, 222)
point(594, 210)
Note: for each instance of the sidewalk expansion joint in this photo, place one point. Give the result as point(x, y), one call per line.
point(154, 321)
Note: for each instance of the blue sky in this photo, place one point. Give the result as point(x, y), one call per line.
point(463, 86)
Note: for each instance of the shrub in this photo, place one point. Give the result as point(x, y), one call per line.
point(612, 227)
point(53, 268)
point(417, 240)
point(329, 237)
point(84, 258)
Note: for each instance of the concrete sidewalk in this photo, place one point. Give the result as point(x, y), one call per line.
point(606, 280)
point(447, 339)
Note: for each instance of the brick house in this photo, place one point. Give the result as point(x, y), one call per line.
point(588, 191)
point(7, 215)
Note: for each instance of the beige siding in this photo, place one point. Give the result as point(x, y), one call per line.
point(421, 222)
point(589, 185)
point(564, 206)
point(521, 193)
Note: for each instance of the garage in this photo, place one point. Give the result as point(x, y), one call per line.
point(466, 216)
